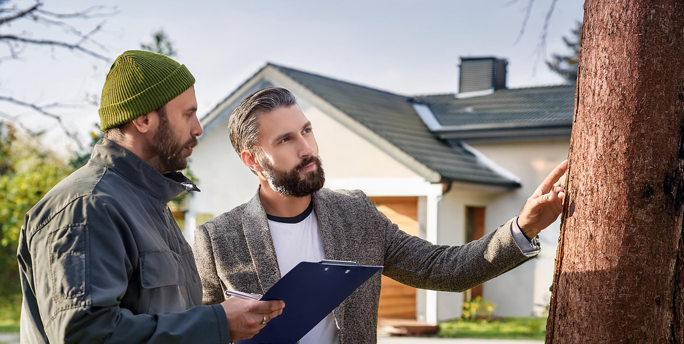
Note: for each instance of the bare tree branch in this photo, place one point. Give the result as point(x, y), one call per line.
point(70, 29)
point(54, 43)
point(14, 120)
point(17, 42)
point(85, 14)
point(547, 20)
point(86, 37)
point(30, 105)
point(541, 46)
point(14, 53)
point(58, 105)
point(20, 14)
point(528, 12)
point(37, 14)
point(72, 135)
point(540, 50)
point(37, 17)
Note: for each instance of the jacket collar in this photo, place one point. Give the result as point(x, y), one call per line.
point(260, 241)
point(134, 169)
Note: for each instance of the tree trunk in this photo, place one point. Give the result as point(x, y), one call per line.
point(620, 264)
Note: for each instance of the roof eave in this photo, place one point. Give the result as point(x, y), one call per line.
point(506, 132)
point(495, 187)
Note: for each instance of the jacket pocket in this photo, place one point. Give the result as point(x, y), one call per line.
point(68, 250)
point(160, 269)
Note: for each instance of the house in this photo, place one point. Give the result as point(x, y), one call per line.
point(448, 168)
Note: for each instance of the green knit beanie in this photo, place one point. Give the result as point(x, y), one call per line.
point(138, 83)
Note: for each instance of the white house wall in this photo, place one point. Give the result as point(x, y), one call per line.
point(525, 290)
point(452, 223)
point(224, 180)
point(347, 155)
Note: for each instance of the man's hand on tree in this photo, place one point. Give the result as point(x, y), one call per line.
point(544, 206)
point(247, 317)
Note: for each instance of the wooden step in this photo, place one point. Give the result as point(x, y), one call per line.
point(406, 327)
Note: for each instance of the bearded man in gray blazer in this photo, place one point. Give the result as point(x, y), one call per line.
point(292, 218)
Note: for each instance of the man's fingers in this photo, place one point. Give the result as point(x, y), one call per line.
point(547, 198)
point(273, 315)
point(266, 307)
point(559, 203)
point(553, 177)
point(563, 179)
point(254, 322)
point(543, 199)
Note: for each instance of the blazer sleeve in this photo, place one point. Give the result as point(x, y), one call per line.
point(212, 289)
point(421, 264)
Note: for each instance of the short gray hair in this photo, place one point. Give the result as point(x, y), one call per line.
point(243, 125)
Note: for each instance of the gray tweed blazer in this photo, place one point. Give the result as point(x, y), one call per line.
point(235, 251)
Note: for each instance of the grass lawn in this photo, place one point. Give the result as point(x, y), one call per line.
point(9, 328)
point(503, 328)
point(9, 314)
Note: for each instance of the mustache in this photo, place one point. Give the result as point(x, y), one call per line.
point(307, 161)
point(192, 142)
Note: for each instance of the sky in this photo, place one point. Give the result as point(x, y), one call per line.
point(401, 46)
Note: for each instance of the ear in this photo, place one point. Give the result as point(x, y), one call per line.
point(145, 123)
point(250, 161)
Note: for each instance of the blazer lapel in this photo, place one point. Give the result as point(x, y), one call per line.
point(260, 243)
point(332, 235)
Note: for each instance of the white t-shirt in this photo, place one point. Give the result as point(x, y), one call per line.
point(297, 239)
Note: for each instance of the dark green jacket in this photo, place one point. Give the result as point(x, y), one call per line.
point(102, 260)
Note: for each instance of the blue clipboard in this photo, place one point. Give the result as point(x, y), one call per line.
point(310, 291)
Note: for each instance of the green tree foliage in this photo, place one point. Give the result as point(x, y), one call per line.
point(27, 173)
point(160, 44)
point(566, 65)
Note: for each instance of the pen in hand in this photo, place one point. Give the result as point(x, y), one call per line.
point(244, 295)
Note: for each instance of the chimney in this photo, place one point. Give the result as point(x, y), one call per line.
point(481, 75)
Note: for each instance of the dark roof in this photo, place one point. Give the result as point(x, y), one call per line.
point(393, 117)
point(533, 105)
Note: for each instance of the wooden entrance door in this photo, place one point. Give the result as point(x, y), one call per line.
point(474, 230)
point(398, 300)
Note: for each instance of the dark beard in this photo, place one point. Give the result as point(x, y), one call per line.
point(288, 183)
point(168, 149)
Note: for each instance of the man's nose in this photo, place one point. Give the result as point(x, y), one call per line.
point(196, 127)
point(305, 149)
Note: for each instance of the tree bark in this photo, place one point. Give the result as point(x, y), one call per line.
point(620, 264)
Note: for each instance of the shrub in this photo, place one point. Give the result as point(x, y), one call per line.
point(478, 309)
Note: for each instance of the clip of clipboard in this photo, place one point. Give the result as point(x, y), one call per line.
point(310, 291)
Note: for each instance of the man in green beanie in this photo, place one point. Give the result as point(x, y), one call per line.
point(101, 258)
